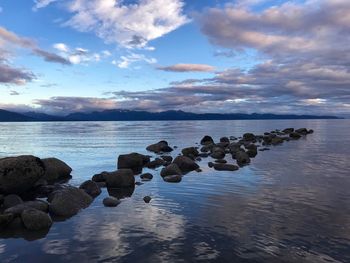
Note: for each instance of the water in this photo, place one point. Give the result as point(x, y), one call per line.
point(292, 204)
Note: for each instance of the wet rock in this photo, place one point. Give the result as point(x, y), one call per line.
point(156, 163)
point(190, 151)
point(207, 140)
point(252, 150)
point(233, 138)
point(288, 130)
point(159, 147)
point(218, 153)
point(310, 131)
point(138, 183)
point(12, 200)
point(99, 177)
point(203, 155)
point(146, 177)
point(225, 167)
point(276, 140)
point(211, 164)
point(242, 158)
point(6, 219)
point(133, 161)
point(91, 188)
point(199, 170)
point(294, 135)
point(36, 220)
point(185, 164)
point(234, 147)
point(167, 158)
point(68, 201)
point(121, 193)
point(119, 178)
point(221, 161)
point(198, 159)
point(249, 137)
point(55, 170)
point(37, 204)
point(173, 178)
point(111, 201)
point(101, 184)
point(264, 149)
point(225, 140)
point(19, 174)
point(171, 169)
point(207, 148)
point(147, 199)
point(302, 131)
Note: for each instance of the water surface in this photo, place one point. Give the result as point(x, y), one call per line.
point(292, 204)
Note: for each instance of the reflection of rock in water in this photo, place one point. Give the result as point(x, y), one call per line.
point(17, 230)
point(121, 193)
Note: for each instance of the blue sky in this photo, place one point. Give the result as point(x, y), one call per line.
point(61, 56)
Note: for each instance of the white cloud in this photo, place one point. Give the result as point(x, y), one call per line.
point(42, 3)
point(61, 47)
point(128, 25)
point(188, 68)
point(127, 60)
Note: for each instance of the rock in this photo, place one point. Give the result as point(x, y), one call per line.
point(242, 158)
point(68, 201)
point(249, 137)
point(36, 220)
point(12, 200)
point(173, 178)
point(99, 177)
point(120, 178)
point(147, 199)
point(207, 140)
point(133, 161)
point(288, 130)
point(199, 170)
point(146, 177)
point(121, 193)
point(19, 174)
point(203, 155)
point(190, 151)
point(101, 184)
point(185, 164)
point(155, 163)
point(159, 147)
point(207, 148)
point(294, 135)
point(171, 169)
point(111, 201)
point(225, 167)
point(55, 170)
point(310, 131)
point(264, 149)
point(167, 158)
point(217, 153)
point(252, 150)
point(276, 140)
point(233, 138)
point(6, 219)
point(138, 183)
point(211, 164)
point(91, 188)
point(302, 131)
point(225, 140)
point(220, 161)
point(37, 204)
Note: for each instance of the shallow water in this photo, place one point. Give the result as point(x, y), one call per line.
point(292, 204)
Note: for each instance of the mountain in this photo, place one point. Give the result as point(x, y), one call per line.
point(131, 115)
point(8, 116)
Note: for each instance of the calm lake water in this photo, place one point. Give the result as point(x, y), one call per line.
point(292, 204)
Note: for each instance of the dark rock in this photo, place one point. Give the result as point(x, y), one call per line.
point(203, 155)
point(99, 177)
point(167, 158)
point(276, 140)
point(190, 151)
point(6, 219)
point(225, 139)
point(173, 178)
point(185, 164)
point(121, 193)
point(207, 148)
point(155, 163)
point(294, 135)
point(171, 169)
point(288, 130)
point(68, 201)
point(101, 184)
point(302, 131)
point(19, 174)
point(310, 131)
point(211, 164)
point(119, 178)
point(217, 153)
point(138, 183)
point(147, 199)
point(199, 170)
point(242, 158)
point(159, 147)
point(233, 138)
point(264, 149)
point(36, 220)
point(55, 170)
point(12, 200)
point(221, 161)
point(133, 161)
point(249, 136)
point(91, 188)
point(37, 204)
point(225, 167)
point(111, 201)
point(146, 176)
point(252, 150)
point(207, 140)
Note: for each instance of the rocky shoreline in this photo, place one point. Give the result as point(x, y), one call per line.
point(34, 192)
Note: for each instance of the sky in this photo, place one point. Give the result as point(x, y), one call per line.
point(246, 56)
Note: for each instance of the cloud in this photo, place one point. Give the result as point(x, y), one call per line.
point(130, 25)
point(14, 93)
point(11, 75)
point(61, 47)
point(188, 68)
point(42, 3)
point(127, 60)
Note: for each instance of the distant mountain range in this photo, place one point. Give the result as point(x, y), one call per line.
point(131, 115)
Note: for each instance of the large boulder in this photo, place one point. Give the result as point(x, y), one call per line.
point(207, 140)
point(6, 219)
point(37, 204)
point(68, 201)
point(249, 137)
point(156, 163)
point(91, 188)
point(171, 169)
point(159, 147)
point(55, 170)
point(36, 220)
point(133, 161)
point(288, 130)
point(12, 200)
point(242, 158)
point(19, 174)
point(294, 135)
point(190, 152)
point(218, 153)
point(276, 140)
point(120, 178)
point(185, 164)
point(252, 150)
point(225, 167)
point(302, 131)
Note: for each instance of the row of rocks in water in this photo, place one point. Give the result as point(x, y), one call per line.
point(25, 181)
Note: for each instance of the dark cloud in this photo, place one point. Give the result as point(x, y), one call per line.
point(51, 57)
point(11, 75)
point(14, 93)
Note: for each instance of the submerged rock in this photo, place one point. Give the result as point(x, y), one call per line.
point(55, 170)
point(111, 201)
point(185, 164)
point(173, 178)
point(146, 177)
point(159, 147)
point(68, 201)
point(36, 220)
point(133, 161)
point(19, 174)
point(91, 188)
